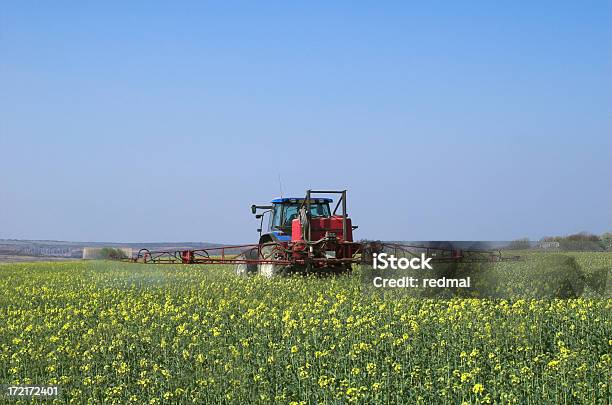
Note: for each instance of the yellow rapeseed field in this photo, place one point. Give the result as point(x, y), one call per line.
point(110, 332)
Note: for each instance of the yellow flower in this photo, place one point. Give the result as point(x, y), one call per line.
point(123, 368)
point(324, 381)
point(478, 389)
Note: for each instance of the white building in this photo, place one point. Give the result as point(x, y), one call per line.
point(549, 245)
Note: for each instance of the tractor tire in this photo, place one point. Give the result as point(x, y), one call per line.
point(269, 270)
point(243, 269)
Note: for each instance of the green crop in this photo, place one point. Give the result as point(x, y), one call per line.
point(110, 332)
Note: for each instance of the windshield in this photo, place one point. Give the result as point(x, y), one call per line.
point(285, 213)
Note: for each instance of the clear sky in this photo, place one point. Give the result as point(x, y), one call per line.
point(165, 121)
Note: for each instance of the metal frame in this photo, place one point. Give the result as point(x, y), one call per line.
point(220, 255)
point(443, 255)
point(341, 200)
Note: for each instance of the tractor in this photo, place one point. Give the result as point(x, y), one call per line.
point(305, 236)
point(302, 235)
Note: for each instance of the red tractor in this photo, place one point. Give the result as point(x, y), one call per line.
point(302, 235)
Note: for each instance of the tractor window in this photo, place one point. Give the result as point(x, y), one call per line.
point(285, 213)
point(276, 222)
point(291, 213)
point(319, 210)
point(316, 210)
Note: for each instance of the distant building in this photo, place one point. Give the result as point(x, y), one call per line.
point(549, 245)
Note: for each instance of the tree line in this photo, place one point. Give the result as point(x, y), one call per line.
point(584, 241)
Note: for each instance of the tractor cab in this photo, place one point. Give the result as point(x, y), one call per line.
point(283, 211)
point(307, 219)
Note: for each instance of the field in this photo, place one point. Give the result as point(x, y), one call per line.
point(109, 332)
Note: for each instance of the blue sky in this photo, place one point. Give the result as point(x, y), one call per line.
point(165, 121)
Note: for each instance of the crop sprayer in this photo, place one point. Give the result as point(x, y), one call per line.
point(304, 235)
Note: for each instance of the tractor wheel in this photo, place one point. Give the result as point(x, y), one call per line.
point(269, 270)
point(243, 269)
